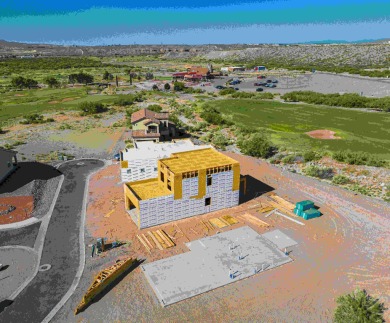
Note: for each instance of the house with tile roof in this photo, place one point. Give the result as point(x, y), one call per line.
point(151, 126)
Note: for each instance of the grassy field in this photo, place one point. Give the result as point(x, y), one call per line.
point(21, 103)
point(287, 123)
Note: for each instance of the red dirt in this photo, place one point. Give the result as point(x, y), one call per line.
point(322, 134)
point(335, 254)
point(24, 207)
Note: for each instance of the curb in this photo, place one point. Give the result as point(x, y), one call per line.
point(20, 224)
point(40, 238)
point(80, 270)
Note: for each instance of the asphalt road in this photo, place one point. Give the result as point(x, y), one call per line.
point(61, 249)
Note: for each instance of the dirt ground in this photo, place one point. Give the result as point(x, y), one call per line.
point(24, 206)
point(347, 247)
point(322, 134)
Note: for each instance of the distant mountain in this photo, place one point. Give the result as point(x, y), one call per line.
point(362, 41)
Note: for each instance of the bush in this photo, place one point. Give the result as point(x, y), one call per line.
point(220, 140)
point(80, 78)
point(347, 100)
point(257, 145)
point(21, 82)
point(357, 158)
point(358, 307)
point(310, 156)
point(52, 82)
point(178, 86)
point(319, 172)
point(227, 91)
point(360, 189)
point(290, 159)
point(88, 108)
point(213, 116)
point(33, 119)
point(155, 87)
point(341, 180)
point(155, 108)
point(167, 87)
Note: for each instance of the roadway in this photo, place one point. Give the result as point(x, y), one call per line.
point(61, 250)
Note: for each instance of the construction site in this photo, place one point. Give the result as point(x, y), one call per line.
point(288, 241)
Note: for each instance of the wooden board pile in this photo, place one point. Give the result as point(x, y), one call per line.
point(223, 221)
point(157, 239)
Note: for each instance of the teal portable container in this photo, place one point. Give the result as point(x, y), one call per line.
point(298, 212)
point(305, 205)
point(310, 214)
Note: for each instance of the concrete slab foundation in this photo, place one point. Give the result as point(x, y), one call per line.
point(240, 253)
point(280, 239)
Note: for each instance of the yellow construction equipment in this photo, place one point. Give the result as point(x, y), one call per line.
point(103, 280)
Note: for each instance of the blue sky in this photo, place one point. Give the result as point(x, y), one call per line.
point(98, 22)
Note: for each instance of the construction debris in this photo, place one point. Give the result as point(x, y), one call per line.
point(103, 280)
point(159, 246)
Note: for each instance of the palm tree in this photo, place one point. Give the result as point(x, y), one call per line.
point(359, 307)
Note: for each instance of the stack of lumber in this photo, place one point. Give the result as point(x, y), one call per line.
point(252, 219)
point(207, 225)
point(223, 221)
point(229, 219)
point(218, 223)
point(161, 239)
point(281, 201)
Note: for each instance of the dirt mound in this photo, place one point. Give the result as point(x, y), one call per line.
point(322, 134)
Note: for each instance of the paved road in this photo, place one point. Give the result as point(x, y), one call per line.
point(61, 249)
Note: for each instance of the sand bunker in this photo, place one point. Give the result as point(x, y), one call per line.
point(322, 134)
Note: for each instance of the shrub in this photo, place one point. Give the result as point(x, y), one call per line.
point(220, 140)
point(358, 306)
point(21, 82)
point(310, 156)
point(257, 145)
point(33, 119)
point(227, 91)
point(52, 82)
point(341, 180)
point(242, 95)
point(213, 116)
point(80, 78)
point(360, 189)
point(167, 87)
point(319, 172)
point(178, 86)
point(357, 158)
point(88, 108)
point(155, 108)
point(155, 87)
point(290, 159)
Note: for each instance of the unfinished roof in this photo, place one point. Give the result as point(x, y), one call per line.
point(148, 114)
point(195, 160)
point(148, 189)
point(152, 150)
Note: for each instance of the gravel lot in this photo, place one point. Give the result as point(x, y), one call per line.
point(317, 82)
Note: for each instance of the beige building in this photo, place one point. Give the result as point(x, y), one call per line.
point(8, 163)
point(188, 183)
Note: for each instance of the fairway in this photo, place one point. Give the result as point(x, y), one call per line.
point(287, 123)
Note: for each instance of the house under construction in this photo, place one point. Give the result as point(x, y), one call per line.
point(188, 183)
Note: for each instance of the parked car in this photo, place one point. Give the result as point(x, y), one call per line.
point(117, 156)
point(220, 87)
point(272, 85)
point(259, 89)
point(261, 76)
point(274, 81)
point(236, 88)
point(269, 81)
point(256, 84)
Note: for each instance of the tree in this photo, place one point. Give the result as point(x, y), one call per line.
point(21, 82)
point(108, 76)
point(155, 87)
point(149, 76)
point(256, 145)
point(52, 82)
point(167, 87)
point(359, 307)
point(92, 107)
point(178, 86)
point(80, 78)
